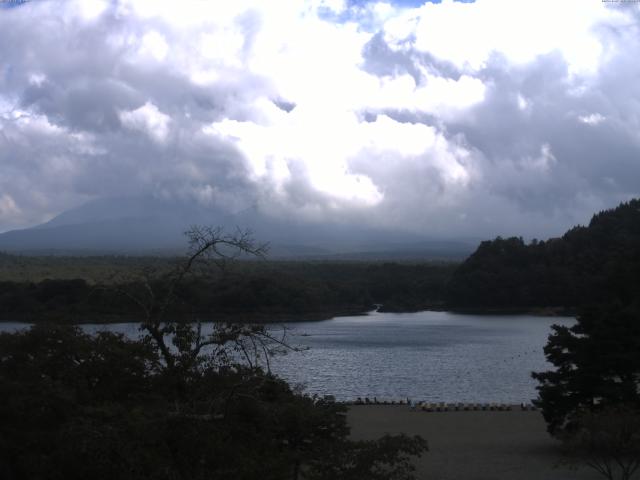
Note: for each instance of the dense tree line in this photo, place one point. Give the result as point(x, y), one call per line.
point(591, 264)
point(255, 290)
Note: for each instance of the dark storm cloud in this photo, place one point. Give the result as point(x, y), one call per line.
point(547, 147)
point(381, 60)
point(63, 140)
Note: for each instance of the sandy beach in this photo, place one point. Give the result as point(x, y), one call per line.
point(473, 445)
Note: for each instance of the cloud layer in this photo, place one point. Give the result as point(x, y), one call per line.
point(476, 119)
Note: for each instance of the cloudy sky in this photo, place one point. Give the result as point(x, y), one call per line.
point(453, 118)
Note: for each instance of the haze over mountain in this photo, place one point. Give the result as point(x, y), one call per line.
point(146, 225)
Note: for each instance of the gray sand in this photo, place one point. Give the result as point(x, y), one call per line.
point(478, 445)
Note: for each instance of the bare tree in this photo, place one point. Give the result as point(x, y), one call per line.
point(181, 342)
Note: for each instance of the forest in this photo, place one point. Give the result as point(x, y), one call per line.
point(89, 289)
point(587, 265)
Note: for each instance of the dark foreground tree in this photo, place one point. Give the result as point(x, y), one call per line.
point(597, 364)
point(176, 404)
point(607, 440)
point(591, 401)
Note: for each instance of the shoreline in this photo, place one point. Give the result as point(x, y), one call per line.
point(471, 445)
point(259, 318)
point(443, 407)
point(537, 311)
point(291, 317)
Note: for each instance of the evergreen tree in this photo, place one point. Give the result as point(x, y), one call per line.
point(597, 364)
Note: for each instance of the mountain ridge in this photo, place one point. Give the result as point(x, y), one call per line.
point(146, 225)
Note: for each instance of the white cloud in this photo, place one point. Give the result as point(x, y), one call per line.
point(468, 34)
point(416, 116)
point(321, 145)
point(523, 104)
point(89, 9)
point(148, 119)
point(37, 79)
point(8, 207)
point(543, 162)
point(592, 119)
point(224, 46)
point(155, 45)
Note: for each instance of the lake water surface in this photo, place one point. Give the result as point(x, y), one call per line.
point(433, 356)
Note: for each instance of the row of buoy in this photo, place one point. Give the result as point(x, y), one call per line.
point(375, 401)
point(446, 407)
point(472, 407)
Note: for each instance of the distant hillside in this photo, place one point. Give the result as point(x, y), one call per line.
point(588, 264)
point(144, 226)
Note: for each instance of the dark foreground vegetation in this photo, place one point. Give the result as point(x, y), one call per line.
point(74, 406)
point(591, 400)
point(175, 404)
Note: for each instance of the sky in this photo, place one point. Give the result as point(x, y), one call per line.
point(444, 118)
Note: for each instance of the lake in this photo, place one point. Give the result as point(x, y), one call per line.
point(432, 356)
